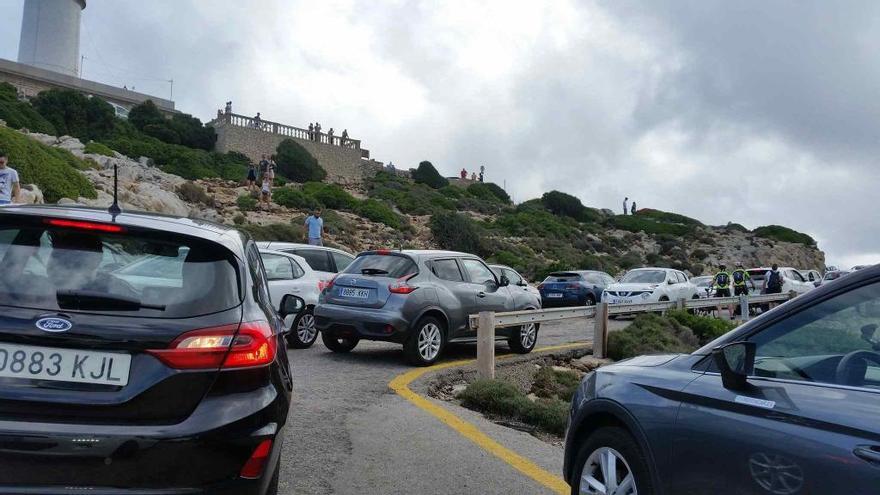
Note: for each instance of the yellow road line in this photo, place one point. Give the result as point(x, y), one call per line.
point(400, 385)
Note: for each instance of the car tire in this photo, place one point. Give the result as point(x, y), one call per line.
point(524, 339)
point(590, 300)
point(629, 460)
point(337, 344)
point(426, 342)
point(303, 333)
point(661, 299)
point(694, 311)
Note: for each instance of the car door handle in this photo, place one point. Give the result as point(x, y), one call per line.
point(481, 294)
point(868, 453)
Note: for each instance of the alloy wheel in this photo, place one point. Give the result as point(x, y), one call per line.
point(606, 472)
point(305, 328)
point(527, 335)
point(429, 341)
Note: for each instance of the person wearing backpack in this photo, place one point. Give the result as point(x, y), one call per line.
point(740, 279)
point(773, 282)
point(721, 284)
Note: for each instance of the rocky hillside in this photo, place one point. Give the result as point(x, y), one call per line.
point(551, 233)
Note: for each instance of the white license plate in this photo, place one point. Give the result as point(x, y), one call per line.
point(64, 365)
point(357, 293)
point(621, 300)
point(554, 295)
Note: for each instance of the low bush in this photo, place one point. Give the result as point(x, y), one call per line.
point(639, 223)
point(488, 191)
point(455, 232)
point(96, 148)
point(378, 211)
point(667, 217)
point(54, 171)
point(426, 174)
point(283, 232)
point(246, 202)
point(705, 328)
point(330, 195)
point(20, 114)
point(553, 384)
point(239, 219)
point(651, 334)
point(296, 163)
point(783, 234)
point(736, 227)
point(292, 197)
point(500, 398)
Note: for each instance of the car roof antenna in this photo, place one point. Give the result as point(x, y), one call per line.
point(114, 209)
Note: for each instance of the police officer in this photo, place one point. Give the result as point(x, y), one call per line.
point(721, 284)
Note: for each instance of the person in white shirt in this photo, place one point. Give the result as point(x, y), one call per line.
point(9, 187)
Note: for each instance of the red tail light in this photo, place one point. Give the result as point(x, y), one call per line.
point(401, 287)
point(220, 347)
point(326, 284)
point(256, 463)
point(572, 286)
point(383, 251)
point(75, 224)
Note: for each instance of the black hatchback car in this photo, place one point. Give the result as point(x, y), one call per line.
point(138, 354)
point(788, 403)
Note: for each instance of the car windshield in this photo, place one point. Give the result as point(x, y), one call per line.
point(644, 277)
point(380, 265)
point(150, 275)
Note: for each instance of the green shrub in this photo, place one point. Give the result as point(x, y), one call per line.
point(503, 399)
point(181, 128)
point(705, 328)
point(629, 260)
point(426, 174)
point(488, 191)
point(507, 258)
point(378, 212)
point(146, 114)
point(161, 132)
point(638, 223)
point(455, 232)
point(294, 198)
point(699, 254)
point(736, 227)
point(297, 164)
point(239, 219)
point(560, 203)
point(783, 234)
point(96, 148)
point(283, 232)
point(552, 384)
point(54, 171)
point(330, 195)
point(194, 193)
point(667, 217)
point(651, 334)
point(74, 114)
point(246, 202)
point(20, 114)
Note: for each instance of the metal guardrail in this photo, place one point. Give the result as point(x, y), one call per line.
point(486, 322)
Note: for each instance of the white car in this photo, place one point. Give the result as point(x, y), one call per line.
point(290, 274)
point(812, 276)
point(704, 285)
point(650, 285)
point(516, 280)
point(792, 280)
point(326, 261)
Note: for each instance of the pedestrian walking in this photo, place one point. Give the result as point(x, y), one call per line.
point(251, 176)
point(9, 183)
point(315, 228)
point(625, 202)
point(721, 284)
point(464, 173)
point(633, 209)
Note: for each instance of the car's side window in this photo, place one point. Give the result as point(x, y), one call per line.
point(478, 273)
point(681, 277)
point(834, 341)
point(671, 276)
point(512, 276)
point(318, 259)
point(277, 267)
point(298, 271)
point(342, 261)
point(447, 270)
point(795, 275)
point(258, 272)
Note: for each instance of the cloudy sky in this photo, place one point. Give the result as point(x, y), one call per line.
point(752, 112)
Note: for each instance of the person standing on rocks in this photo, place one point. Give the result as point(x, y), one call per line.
point(270, 169)
point(633, 209)
point(315, 228)
point(251, 177)
point(464, 173)
point(266, 191)
point(9, 187)
point(264, 168)
point(625, 201)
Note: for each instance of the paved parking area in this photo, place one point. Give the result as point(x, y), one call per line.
point(350, 434)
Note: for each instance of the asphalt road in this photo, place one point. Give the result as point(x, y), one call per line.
point(350, 434)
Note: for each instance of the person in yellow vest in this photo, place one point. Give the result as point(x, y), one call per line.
point(721, 284)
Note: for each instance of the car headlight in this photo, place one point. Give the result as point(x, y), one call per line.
point(646, 295)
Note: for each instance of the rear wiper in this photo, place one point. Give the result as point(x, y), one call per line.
point(373, 271)
point(89, 300)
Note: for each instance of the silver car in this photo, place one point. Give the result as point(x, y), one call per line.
point(421, 299)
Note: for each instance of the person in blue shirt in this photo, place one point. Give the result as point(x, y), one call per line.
point(315, 226)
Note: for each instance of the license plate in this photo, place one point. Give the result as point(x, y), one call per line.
point(554, 295)
point(357, 293)
point(64, 365)
point(621, 300)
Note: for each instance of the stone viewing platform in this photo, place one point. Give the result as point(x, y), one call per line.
point(343, 158)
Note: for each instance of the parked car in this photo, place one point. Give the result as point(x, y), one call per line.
point(704, 285)
point(650, 285)
point(325, 261)
point(792, 280)
point(574, 288)
point(291, 274)
point(421, 299)
point(812, 276)
point(786, 403)
point(829, 276)
point(108, 373)
point(516, 280)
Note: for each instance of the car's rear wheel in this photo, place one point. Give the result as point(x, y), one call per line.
point(591, 300)
point(304, 333)
point(524, 340)
point(611, 462)
point(426, 343)
point(338, 344)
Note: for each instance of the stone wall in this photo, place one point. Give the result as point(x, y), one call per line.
point(343, 165)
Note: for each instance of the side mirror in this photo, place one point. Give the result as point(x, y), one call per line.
point(735, 361)
point(504, 281)
point(291, 305)
point(522, 283)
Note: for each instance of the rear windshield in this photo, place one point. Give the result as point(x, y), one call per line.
point(115, 273)
point(562, 277)
point(380, 265)
point(644, 277)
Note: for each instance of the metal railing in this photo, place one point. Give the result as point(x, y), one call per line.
point(487, 321)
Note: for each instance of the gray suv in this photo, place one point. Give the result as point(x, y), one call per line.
point(421, 299)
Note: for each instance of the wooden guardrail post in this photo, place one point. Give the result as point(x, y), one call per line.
point(486, 346)
point(743, 307)
point(600, 331)
point(681, 303)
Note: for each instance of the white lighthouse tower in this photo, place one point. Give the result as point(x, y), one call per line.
point(50, 35)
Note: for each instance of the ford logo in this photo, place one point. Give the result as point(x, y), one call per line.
point(54, 325)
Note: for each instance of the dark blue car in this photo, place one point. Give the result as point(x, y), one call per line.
point(574, 288)
point(788, 403)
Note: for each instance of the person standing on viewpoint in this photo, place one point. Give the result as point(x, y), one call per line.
point(9, 187)
point(315, 227)
point(625, 200)
point(633, 209)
